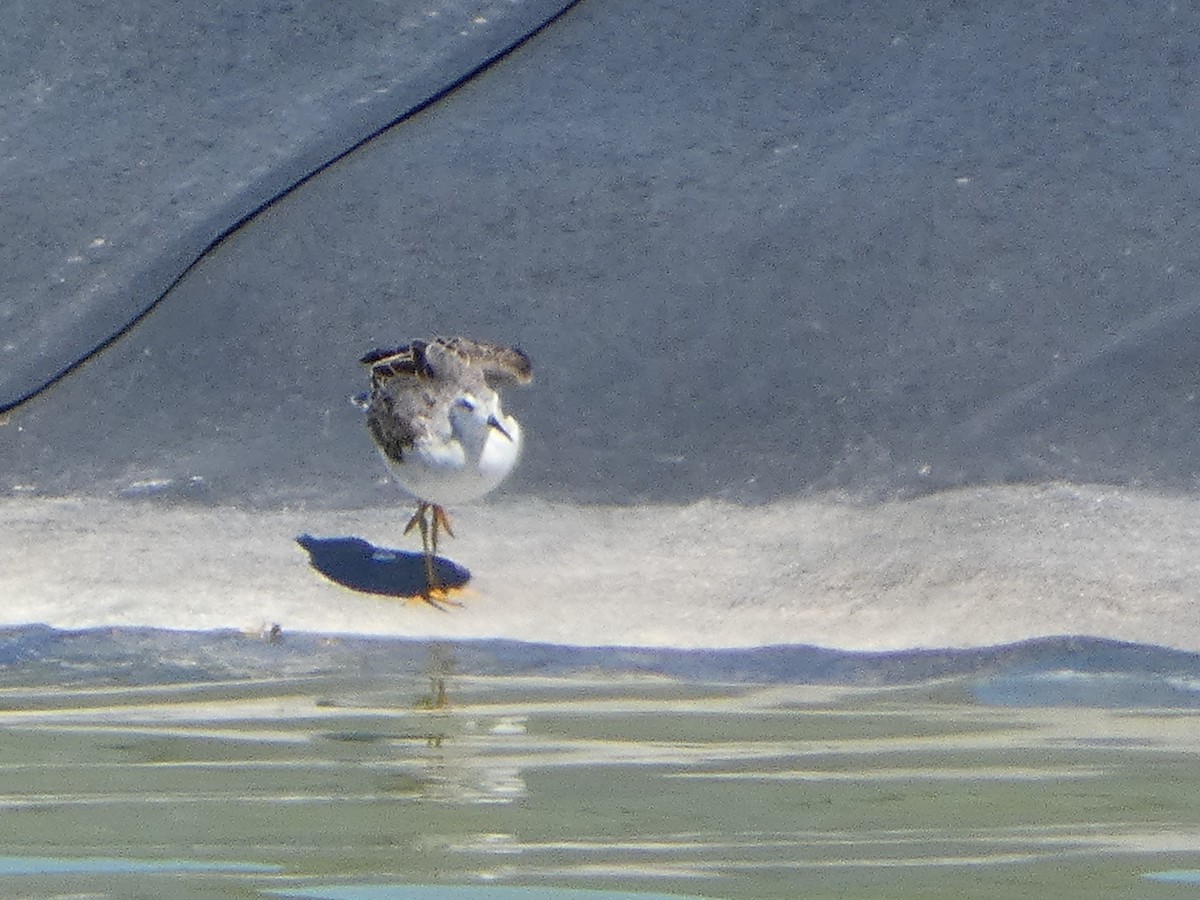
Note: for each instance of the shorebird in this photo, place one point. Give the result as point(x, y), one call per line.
point(435, 416)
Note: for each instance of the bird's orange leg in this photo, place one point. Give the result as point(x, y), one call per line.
point(434, 594)
point(418, 520)
point(440, 519)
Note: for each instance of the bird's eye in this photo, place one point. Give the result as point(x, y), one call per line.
point(467, 404)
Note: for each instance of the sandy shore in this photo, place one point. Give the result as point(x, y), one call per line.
point(961, 568)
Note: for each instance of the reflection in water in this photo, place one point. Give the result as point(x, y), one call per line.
point(453, 771)
point(441, 667)
point(597, 780)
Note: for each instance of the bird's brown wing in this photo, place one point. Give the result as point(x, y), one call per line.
point(500, 365)
point(409, 361)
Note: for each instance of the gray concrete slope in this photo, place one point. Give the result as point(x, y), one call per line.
point(752, 251)
point(133, 137)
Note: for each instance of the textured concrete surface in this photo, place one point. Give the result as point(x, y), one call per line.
point(769, 263)
point(133, 137)
point(753, 253)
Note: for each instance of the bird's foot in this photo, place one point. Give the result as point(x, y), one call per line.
point(434, 594)
point(439, 598)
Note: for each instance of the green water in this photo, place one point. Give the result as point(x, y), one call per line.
point(636, 784)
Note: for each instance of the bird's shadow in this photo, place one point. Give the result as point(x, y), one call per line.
point(361, 566)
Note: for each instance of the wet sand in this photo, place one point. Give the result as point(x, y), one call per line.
point(961, 568)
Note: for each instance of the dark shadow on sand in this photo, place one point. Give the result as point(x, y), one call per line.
point(361, 566)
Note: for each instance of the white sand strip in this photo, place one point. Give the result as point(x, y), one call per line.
point(962, 568)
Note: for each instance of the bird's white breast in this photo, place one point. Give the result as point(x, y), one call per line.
point(442, 471)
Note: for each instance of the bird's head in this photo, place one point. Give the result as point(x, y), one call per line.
point(474, 417)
